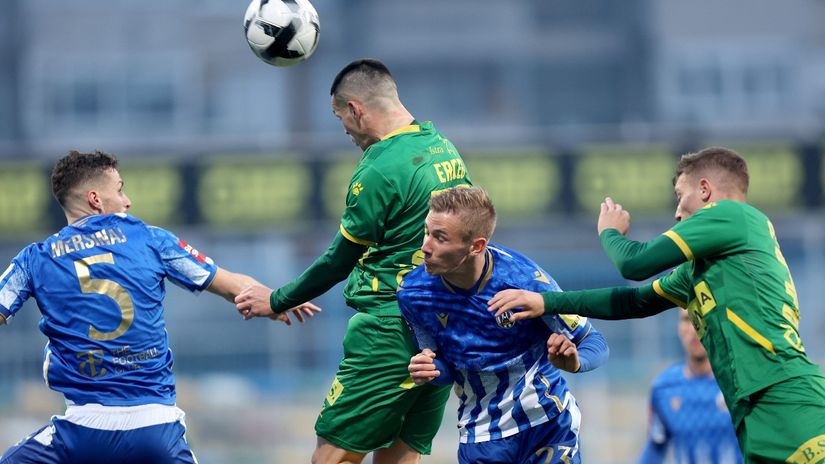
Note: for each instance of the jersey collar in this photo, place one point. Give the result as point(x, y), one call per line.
point(414, 127)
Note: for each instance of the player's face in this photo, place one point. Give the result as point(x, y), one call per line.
point(110, 192)
point(688, 197)
point(445, 249)
point(690, 341)
point(352, 124)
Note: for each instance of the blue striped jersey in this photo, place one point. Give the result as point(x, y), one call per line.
point(500, 371)
point(689, 422)
point(99, 285)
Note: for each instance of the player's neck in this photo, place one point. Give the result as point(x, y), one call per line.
point(395, 119)
point(698, 367)
point(75, 214)
point(466, 275)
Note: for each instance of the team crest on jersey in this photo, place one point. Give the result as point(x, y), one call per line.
point(202, 258)
point(357, 188)
point(505, 320)
point(676, 403)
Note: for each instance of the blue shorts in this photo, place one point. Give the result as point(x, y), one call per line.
point(555, 441)
point(63, 442)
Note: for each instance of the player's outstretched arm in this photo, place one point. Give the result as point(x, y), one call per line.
point(229, 285)
point(253, 301)
point(531, 304)
point(2, 319)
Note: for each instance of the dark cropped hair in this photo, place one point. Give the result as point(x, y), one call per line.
point(719, 160)
point(76, 168)
point(368, 68)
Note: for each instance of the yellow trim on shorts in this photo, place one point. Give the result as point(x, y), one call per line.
point(680, 242)
point(812, 448)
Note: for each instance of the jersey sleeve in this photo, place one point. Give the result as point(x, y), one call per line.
point(184, 265)
point(15, 285)
point(369, 199)
point(572, 326)
point(676, 286)
point(714, 229)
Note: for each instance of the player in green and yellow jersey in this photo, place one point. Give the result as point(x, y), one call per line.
point(734, 282)
point(373, 405)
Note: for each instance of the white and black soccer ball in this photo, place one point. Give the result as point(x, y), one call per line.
point(282, 32)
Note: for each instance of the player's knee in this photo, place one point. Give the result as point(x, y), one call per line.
point(326, 453)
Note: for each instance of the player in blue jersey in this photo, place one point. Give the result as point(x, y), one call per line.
point(99, 284)
point(689, 422)
point(515, 406)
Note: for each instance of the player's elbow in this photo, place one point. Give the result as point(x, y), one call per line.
point(634, 270)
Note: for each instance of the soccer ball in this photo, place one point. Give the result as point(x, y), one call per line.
point(282, 32)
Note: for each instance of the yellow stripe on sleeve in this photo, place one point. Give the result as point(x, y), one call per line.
point(657, 287)
point(355, 239)
point(750, 331)
point(680, 242)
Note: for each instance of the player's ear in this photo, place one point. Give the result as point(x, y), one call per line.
point(355, 108)
point(94, 200)
point(478, 245)
point(705, 189)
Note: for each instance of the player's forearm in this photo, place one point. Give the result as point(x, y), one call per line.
point(228, 284)
point(607, 303)
point(593, 351)
point(329, 269)
point(638, 260)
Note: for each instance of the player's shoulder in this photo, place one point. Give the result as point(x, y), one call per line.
point(726, 208)
point(416, 281)
point(518, 268)
point(670, 377)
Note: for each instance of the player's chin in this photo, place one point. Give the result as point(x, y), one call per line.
point(432, 269)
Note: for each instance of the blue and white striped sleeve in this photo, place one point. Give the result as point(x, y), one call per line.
point(15, 286)
point(184, 265)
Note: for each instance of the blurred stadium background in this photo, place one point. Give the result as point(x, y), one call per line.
point(554, 104)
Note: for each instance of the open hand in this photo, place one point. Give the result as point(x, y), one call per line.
point(531, 304)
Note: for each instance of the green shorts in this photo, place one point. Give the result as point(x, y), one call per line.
point(373, 401)
point(786, 423)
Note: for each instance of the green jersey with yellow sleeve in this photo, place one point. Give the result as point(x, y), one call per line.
point(387, 201)
point(741, 299)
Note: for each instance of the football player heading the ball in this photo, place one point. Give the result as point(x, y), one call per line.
point(515, 405)
point(372, 404)
point(99, 284)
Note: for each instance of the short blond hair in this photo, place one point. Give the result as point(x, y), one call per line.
point(472, 205)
